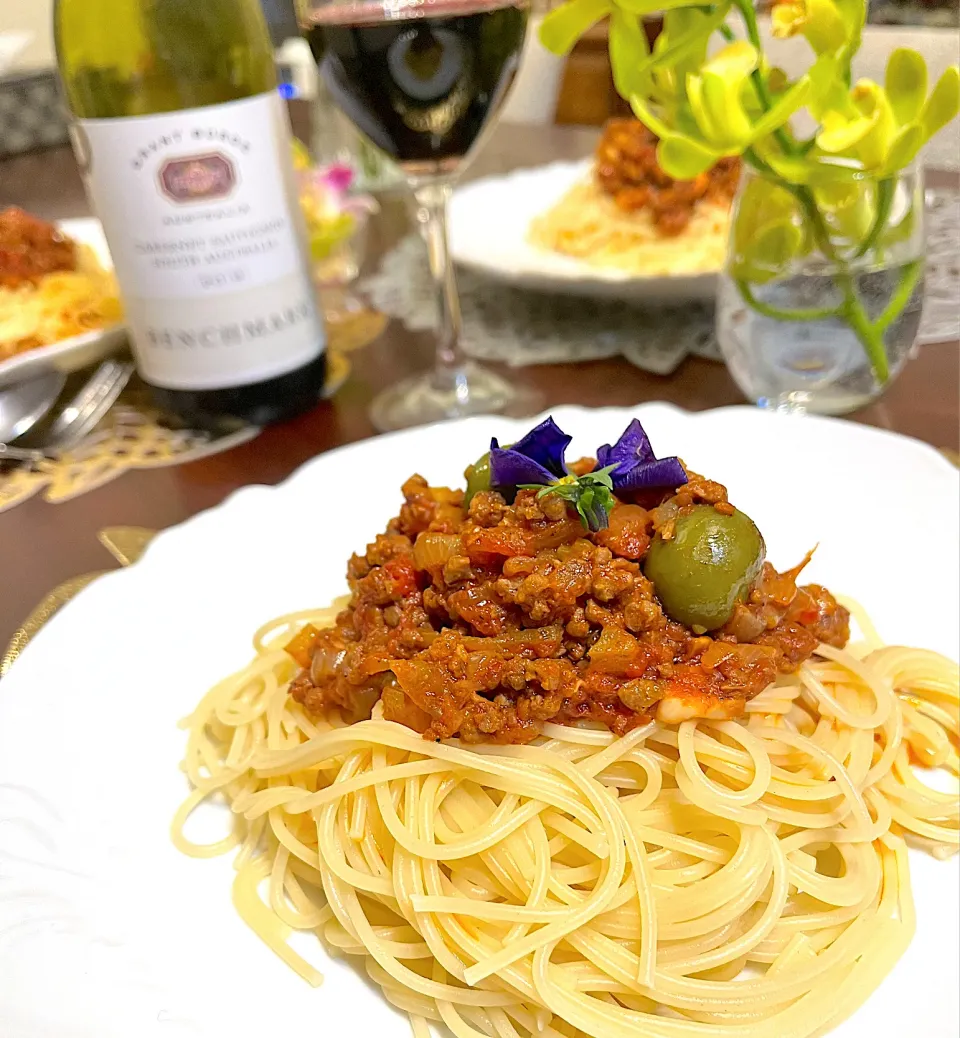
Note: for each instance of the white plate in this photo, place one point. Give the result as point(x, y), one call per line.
point(489, 221)
point(78, 351)
point(106, 931)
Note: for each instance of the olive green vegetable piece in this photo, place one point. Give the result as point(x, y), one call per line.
point(478, 478)
point(706, 568)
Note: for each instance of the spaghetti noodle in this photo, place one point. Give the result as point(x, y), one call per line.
point(587, 224)
point(51, 287)
point(743, 877)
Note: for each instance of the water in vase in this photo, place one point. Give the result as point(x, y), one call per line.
point(812, 365)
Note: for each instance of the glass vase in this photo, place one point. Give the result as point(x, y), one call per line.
point(819, 304)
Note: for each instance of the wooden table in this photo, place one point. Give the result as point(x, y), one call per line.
point(42, 545)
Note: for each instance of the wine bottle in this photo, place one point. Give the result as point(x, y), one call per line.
point(185, 147)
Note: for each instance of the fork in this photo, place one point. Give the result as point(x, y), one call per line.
point(80, 416)
point(88, 407)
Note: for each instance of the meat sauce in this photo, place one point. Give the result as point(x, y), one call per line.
point(31, 248)
point(628, 171)
point(486, 623)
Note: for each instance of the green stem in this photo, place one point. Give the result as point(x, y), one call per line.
point(749, 16)
point(783, 315)
point(869, 335)
point(814, 218)
point(911, 275)
point(758, 163)
point(852, 309)
point(886, 189)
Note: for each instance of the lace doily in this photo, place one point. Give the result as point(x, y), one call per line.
point(522, 328)
point(128, 438)
point(941, 307)
point(135, 435)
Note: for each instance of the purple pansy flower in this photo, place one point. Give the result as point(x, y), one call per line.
point(633, 465)
point(535, 458)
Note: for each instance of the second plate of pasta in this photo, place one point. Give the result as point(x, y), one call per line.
point(500, 227)
point(52, 318)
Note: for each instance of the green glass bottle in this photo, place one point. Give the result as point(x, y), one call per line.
point(185, 146)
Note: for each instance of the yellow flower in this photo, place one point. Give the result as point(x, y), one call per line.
point(883, 128)
point(715, 96)
point(819, 21)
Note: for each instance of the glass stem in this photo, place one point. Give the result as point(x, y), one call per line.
point(432, 197)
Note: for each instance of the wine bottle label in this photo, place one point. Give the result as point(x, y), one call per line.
point(200, 211)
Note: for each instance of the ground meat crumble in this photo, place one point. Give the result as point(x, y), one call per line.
point(485, 623)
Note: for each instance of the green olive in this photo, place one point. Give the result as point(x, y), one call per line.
point(478, 478)
point(708, 565)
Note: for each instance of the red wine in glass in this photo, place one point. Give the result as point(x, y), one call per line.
point(423, 82)
point(423, 79)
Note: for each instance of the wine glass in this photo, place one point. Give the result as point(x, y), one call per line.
point(423, 79)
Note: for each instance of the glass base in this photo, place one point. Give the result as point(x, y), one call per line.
point(439, 395)
point(834, 403)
